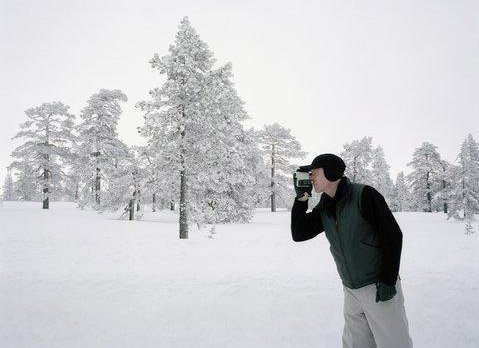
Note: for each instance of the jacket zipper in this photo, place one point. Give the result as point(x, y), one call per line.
point(342, 249)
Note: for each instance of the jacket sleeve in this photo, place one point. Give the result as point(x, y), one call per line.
point(376, 211)
point(304, 225)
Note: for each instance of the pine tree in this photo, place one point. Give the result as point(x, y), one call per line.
point(193, 125)
point(424, 180)
point(279, 147)
point(26, 184)
point(176, 109)
point(401, 194)
point(48, 136)
point(381, 179)
point(357, 156)
point(261, 171)
point(125, 186)
point(441, 197)
point(100, 149)
point(151, 187)
point(223, 192)
point(8, 189)
point(464, 177)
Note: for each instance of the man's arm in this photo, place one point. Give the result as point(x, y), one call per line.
point(304, 225)
point(376, 211)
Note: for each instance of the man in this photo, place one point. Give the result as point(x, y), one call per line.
point(365, 241)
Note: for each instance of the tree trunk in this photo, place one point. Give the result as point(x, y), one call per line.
point(46, 176)
point(97, 186)
point(183, 185)
point(46, 198)
point(428, 195)
point(131, 208)
point(172, 205)
point(444, 187)
point(153, 207)
point(183, 212)
point(273, 196)
point(138, 206)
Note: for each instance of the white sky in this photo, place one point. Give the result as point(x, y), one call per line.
point(332, 71)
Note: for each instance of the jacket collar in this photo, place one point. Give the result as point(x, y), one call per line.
point(342, 193)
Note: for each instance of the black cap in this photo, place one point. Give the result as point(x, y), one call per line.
point(332, 165)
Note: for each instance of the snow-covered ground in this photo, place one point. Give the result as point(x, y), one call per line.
point(73, 278)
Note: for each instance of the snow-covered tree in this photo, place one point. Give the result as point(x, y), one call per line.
point(380, 177)
point(357, 156)
point(8, 191)
point(125, 185)
point(401, 195)
point(424, 180)
point(73, 181)
point(100, 149)
point(47, 139)
point(464, 177)
point(152, 187)
point(224, 190)
point(26, 184)
point(193, 125)
point(441, 197)
point(279, 147)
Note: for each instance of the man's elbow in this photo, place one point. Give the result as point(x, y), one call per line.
point(295, 235)
point(296, 238)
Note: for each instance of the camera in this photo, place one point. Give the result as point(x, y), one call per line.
point(302, 179)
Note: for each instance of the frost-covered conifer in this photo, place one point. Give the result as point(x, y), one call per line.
point(193, 125)
point(464, 178)
point(381, 179)
point(424, 180)
point(40, 159)
point(73, 181)
point(441, 197)
point(279, 147)
point(125, 185)
point(401, 196)
point(100, 150)
point(26, 184)
point(8, 191)
point(261, 172)
point(357, 157)
point(223, 189)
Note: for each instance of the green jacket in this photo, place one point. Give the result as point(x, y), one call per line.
point(353, 241)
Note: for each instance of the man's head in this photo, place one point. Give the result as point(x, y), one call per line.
point(326, 171)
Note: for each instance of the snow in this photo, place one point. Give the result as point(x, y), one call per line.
point(75, 278)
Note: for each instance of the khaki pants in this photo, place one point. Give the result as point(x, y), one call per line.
point(369, 324)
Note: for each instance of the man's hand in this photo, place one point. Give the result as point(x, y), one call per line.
point(302, 193)
point(384, 292)
point(303, 198)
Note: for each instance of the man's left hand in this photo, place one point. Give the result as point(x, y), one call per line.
point(385, 292)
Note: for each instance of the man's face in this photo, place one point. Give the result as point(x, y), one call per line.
point(318, 179)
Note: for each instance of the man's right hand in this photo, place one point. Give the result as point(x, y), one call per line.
point(303, 198)
point(302, 193)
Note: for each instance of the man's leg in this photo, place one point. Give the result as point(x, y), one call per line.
point(387, 320)
point(356, 332)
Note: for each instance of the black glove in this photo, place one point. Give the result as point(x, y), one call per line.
point(384, 292)
point(301, 190)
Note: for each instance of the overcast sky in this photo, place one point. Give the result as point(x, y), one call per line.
point(332, 71)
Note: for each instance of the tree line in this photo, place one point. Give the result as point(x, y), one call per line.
point(199, 157)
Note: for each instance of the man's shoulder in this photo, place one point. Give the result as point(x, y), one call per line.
point(366, 193)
